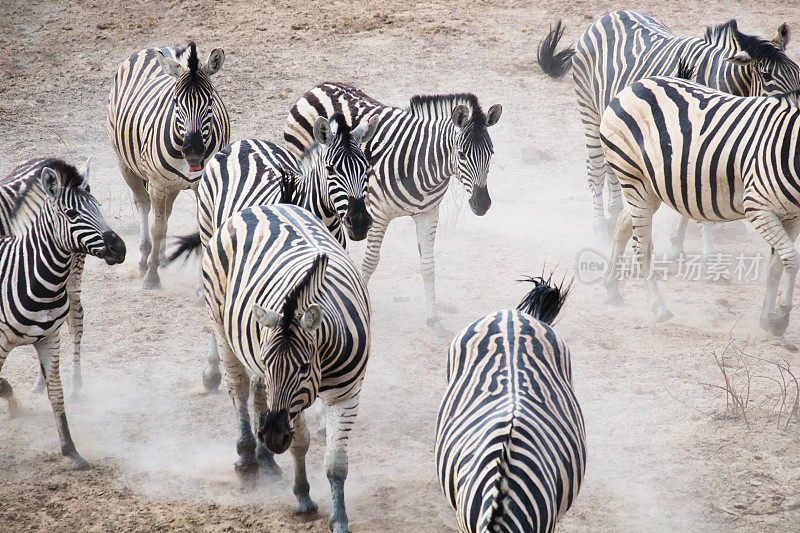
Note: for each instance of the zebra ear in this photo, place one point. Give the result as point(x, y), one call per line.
point(781, 39)
point(364, 132)
point(265, 317)
point(312, 318)
point(741, 58)
point(460, 116)
point(493, 115)
point(322, 130)
point(51, 183)
point(214, 62)
point(83, 170)
point(169, 65)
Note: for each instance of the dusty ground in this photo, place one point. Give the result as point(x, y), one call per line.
point(663, 455)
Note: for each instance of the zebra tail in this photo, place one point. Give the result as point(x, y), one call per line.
point(187, 245)
point(499, 488)
point(554, 64)
point(685, 71)
point(545, 300)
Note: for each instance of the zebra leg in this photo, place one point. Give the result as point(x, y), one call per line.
point(426, 235)
point(75, 320)
point(707, 236)
point(677, 237)
point(321, 415)
point(780, 235)
point(48, 349)
point(266, 459)
point(341, 417)
point(142, 200)
point(622, 234)
point(642, 221)
point(615, 203)
point(774, 273)
point(211, 374)
point(6, 392)
point(40, 385)
point(298, 448)
point(373, 253)
point(596, 170)
point(162, 205)
point(239, 388)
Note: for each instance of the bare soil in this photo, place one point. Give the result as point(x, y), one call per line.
point(665, 453)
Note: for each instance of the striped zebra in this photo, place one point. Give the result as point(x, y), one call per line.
point(623, 47)
point(289, 307)
point(413, 155)
point(21, 199)
point(165, 120)
point(330, 181)
point(712, 157)
point(35, 267)
point(510, 442)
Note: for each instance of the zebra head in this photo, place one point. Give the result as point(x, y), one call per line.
point(193, 100)
point(770, 70)
point(344, 167)
point(78, 224)
point(289, 355)
point(472, 152)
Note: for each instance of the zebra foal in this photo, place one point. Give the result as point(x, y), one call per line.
point(510, 443)
point(165, 120)
point(289, 307)
point(34, 270)
point(623, 47)
point(412, 157)
point(711, 157)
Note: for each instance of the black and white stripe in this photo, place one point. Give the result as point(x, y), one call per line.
point(35, 267)
point(165, 120)
point(712, 157)
point(413, 155)
point(289, 307)
point(623, 47)
point(510, 441)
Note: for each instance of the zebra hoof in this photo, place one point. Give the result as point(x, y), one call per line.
point(211, 380)
point(338, 527)
point(663, 315)
point(305, 505)
point(613, 299)
point(247, 473)
point(778, 322)
point(437, 327)
point(151, 283)
point(79, 463)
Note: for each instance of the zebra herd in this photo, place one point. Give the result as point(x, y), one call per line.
point(290, 313)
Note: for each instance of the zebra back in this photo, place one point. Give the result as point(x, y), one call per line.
point(510, 441)
point(257, 257)
point(157, 120)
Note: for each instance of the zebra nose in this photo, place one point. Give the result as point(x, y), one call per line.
point(114, 252)
point(193, 149)
point(357, 220)
point(274, 431)
point(480, 202)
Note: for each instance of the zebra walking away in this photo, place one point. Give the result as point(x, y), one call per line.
point(713, 157)
point(34, 270)
point(510, 442)
point(413, 155)
point(165, 120)
point(623, 47)
point(289, 307)
point(330, 181)
point(21, 199)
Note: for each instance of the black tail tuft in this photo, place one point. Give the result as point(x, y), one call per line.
point(685, 71)
point(187, 245)
point(545, 300)
point(554, 64)
point(288, 187)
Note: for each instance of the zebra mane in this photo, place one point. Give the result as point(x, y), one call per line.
point(288, 187)
point(313, 152)
point(69, 175)
point(441, 106)
point(298, 297)
point(545, 300)
point(757, 47)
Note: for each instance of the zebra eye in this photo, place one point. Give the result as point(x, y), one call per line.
point(331, 171)
point(305, 369)
point(461, 155)
point(71, 214)
point(766, 75)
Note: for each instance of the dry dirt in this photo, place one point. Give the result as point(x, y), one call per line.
point(663, 453)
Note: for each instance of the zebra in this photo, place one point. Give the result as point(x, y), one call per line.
point(34, 270)
point(510, 439)
point(413, 155)
point(165, 120)
point(623, 47)
point(330, 181)
point(289, 307)
point(713, 157)
point(21, 199)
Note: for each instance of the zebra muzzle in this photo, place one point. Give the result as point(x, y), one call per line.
point(114, 250)
point(274, 431)
point(357, 220)
point(480, 202)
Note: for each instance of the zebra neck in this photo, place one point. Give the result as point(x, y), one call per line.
point(315, 197)
point(436, 144)
point(46, 256)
